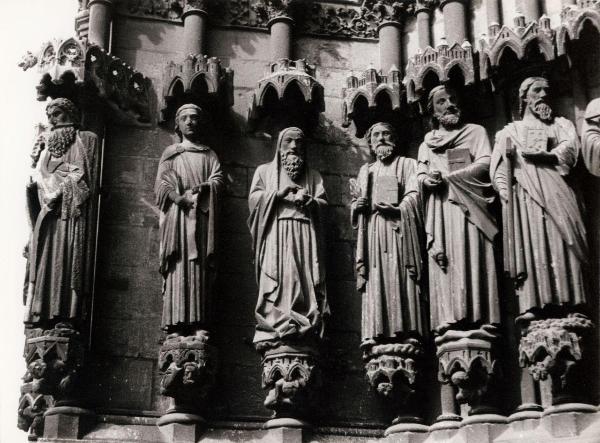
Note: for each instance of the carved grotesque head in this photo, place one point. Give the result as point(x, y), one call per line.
point(292, 151)
point(188, 121)
point(190, 373)
point(382, 140)
point(62, 112)
point(443, 105)
point(534, 94)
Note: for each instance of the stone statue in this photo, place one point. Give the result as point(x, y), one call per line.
point(545, 238)
point(187, 188)
point(591, 137)
point(386, 210)
point(286, 202)
point(453, 168)
point(60, 200)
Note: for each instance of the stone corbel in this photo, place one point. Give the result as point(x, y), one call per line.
point(517, 39)
point(200, 80)
point(553, 348)
point(85, 73)
point(292, 376)
point(468, 363)
point(188, 369)
point(363, 98)
point(393, 372)
point(572, 19)
point(441, 61)
point(273, 97)
point(50, 404)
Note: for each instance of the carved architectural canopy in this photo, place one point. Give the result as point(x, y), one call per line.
point(441, 61)
point(198, 79)
point(572, 19)
point(78, 71)
point(284, 80)
point(374, 90)
point(518, 39)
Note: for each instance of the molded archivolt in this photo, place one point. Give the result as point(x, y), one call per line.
point(197, 80)
point(372, 88)
point(517, 38)
point(281, 78)
point(573, 18)
point(440, 61)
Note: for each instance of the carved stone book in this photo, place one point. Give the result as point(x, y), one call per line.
point(537, 138)
point(386, 190)
point(458, 158)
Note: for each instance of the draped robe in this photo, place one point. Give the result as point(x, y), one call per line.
point(460, 229)
point(60, 247)
point(549, 236)
point(591, 147)
point(288, 249)
point(388, 258)
point(187, 236)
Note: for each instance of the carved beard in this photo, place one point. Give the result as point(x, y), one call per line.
point(293, 165)
point(60, 140)
point(542, 110)
point(384, 151)
point(449, 119)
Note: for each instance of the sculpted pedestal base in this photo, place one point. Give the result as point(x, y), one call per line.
point(393, 372)
point(48, 405)
point(467, 363)
point(552, 349)
point(292, 376)
point(188, 365)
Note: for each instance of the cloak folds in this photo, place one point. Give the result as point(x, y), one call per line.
point(288, 254)
point(549, 236)
point(187, 236)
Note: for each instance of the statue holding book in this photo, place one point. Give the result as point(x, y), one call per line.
point(545, 238)
point(453, 168)
point(386, 210)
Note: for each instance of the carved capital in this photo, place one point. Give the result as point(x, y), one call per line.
point(467, 360)
point(425, 5)
point(195, 7)
point(392, 371)
point(54, 360)
point(446, 2)
point(292, 376)
point(188, 368)
point(388, 11)
point(553, 348)
point(269, 11)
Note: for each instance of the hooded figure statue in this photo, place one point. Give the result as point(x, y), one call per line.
point(286, 203)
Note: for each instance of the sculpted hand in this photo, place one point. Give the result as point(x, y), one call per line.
point(187, 200)
point(281, 194)
point(387, 208)
point(434, 180)
point(362, 204)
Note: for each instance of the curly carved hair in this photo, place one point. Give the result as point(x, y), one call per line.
point(387, 126)
point(67, 106)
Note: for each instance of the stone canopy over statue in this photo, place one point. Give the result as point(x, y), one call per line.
point(286, 202)
point(60, 199)
point(545, 238)
point(453, 168)
point(187, 189)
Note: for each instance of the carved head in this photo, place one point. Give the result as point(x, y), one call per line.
point(443, 106)
point(188, 121)
point(37, 369)
point(534, 95)
point(62, 112)
point(382, 139)
point(290, 146)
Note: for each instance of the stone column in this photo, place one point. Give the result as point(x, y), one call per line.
point(99, 24)
point(493, 12)
point(530, 9)
point(423, 13)
point(281, 37)
point(455, 21)
point(194, 27)
point(390, 38)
